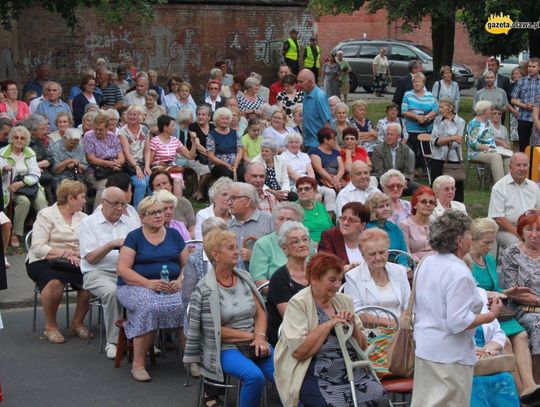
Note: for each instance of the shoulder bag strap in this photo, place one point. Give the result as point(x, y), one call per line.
point(408, 312)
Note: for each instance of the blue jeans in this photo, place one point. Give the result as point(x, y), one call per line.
point(139, 188)
point(252, 374)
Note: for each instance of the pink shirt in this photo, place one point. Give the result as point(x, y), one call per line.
point(417, 238)
point(23, 111)
point(164, 152)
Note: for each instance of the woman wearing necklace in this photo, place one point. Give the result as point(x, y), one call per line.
point(15, 109)
point(520, 265)
point(290, 278)
point(227, 322)
point(484, 270)
point(316, 217)
point(135, 139)
point(416, 228)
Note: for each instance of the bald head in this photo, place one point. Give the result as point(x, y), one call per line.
point(306, 80)
point(519, 167)
point(360, 174)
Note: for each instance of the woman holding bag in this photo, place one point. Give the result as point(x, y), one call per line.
point(447, 138)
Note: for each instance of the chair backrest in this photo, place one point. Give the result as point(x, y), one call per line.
point(379, 317)
point(262, 287)
point(342, 288)
point(400, 257)
point(28, 240)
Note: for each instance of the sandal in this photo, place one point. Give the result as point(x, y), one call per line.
point(211, 401)
point(14, 241)
point(54, 336)
point(82, 332)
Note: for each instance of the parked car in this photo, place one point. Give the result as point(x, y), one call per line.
point(508, 64)
point(360, 53)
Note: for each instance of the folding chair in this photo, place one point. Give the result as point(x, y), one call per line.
point(425, 138)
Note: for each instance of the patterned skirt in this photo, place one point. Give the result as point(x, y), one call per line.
point(148, 310)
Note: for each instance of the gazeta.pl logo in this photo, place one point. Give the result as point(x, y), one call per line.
point(499, 24)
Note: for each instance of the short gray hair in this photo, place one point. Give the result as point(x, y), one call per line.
point(270, 144)
point(341, 105)
point(165, 196)
point(251, 82)
point(152, 93)
point(392, 173)
point(34, 121)
point(222, 111)
point(72, 134)
point(212, 224)
point(297, 107)
point(248, 190)
point(482, 106)
point(184, 115)
point(293, 137)
point(396, 125)
point(291, 206)
point(20, 130)
point(222, 184)
point(214, 72)
point(287, 228)
point(441, 180)
point(446, 229)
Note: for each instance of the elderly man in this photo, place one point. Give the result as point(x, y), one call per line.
point(277, 86)
point(316, 110)
point(256, 175)
point(53, 105)
point(37, 101)
point(138, 96)
point(102, 234)
point(226, 78)
point(358, 189)
point(332, 102)
point(394, 154)
point(111, 93)
point(501, 81)
point(153, 80)
point(248, 222)
point(512, 195)
point(68, 157)
point(268, 256)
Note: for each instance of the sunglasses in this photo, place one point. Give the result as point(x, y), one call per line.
point(304, 189)
point(427, 202)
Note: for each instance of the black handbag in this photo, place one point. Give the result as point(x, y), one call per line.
point(454, 170)
point(29, 191)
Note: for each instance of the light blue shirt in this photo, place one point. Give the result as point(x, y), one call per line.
point(50, 110)
point(316, 112)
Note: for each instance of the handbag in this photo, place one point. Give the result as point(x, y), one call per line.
point(102, 172)
point(401, 352)
point(454, 170)
point(29, 191)
point(488, 364)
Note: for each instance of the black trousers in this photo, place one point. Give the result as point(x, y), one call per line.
point(221, 171)
point(316, 73)
point(414, 144)
point(437, 170)
point(524, 132)
point(295, 67)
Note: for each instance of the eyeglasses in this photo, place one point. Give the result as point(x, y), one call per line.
point(297, 242)
point(235, 197)
point(154, 213)
point(394, 186)
point(115, 204)
point(345, 219)
point(496, 113)
point(304, 189)
point(427, 202)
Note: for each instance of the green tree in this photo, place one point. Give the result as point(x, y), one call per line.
point(112, 10)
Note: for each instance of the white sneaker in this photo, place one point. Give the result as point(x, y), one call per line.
point(6, 262)
point(110, 350)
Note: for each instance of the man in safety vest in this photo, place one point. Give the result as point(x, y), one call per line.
point(312, 58)
point(291, 52)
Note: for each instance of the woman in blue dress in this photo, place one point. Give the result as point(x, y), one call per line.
point(151, 302)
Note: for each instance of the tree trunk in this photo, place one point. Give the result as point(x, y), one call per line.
point(443, 32)
point(534, 43)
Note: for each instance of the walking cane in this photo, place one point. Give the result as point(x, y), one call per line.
point(344, 334)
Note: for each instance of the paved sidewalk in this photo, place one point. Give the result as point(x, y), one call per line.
point(20, 292)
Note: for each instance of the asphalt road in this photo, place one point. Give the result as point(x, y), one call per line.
point(34, 372)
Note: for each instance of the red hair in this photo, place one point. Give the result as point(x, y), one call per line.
point(420, 191)
point(213, 82)
point(321, 263)
point(528, 218)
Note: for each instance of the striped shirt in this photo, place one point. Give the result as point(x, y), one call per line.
point(51, 110)
point(164, 152)
point(527, 90)
point(111, 95)
point(419, 105)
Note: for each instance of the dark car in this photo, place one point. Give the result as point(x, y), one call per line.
point(360, 53)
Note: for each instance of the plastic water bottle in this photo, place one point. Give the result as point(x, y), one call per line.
point(164, 277)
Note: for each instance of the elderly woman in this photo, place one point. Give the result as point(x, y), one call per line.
point(392, 112)
point(88, 95)
point(447, 139)
point(290, 278)
point(151, 300)
point(183, 100)
point(277, 177)
point(161, 179)
point(498, 128)
point(104, 154)
point(298, 162)
point(224, 148)
point(416, 228)
point(278, 130)
point(227, 323)
point(380, 207)
point(367, 136)
point(53, 259)
point(38, 126)
point(88, 121)
point(214, 99)
point(289, 97)
point(520, 264)
point(68, 158)
point(63, 121)
point(343, 240)
point(330, 76)
point(169, 202)
point(114, 120)
point(250, 101)
point(481, 144)
point(15, 109)
point(316, 217)
point(484, 270)
point(381, 72)
point(351, 151)
point(220, 205)
point(20, 179)
point(308, 343)
point(393, 182)
point(444, 187)
point(135, 141)
point(447, 308)
point(446, 87)
point(419, 108)
point(341, 122)
point(298, 118)
point(152, 111)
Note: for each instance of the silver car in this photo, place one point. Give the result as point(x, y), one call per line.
point(360, 53)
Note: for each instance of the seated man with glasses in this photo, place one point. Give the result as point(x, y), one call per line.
point(101, 236)
point(358, 189)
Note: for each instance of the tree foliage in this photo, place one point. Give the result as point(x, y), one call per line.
point(111, 10)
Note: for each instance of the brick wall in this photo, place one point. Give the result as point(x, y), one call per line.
point(332, 30)
point(182, 39)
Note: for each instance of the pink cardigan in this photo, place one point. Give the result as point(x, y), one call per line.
point(23, 111)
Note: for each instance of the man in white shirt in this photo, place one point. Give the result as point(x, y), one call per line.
point(512, 195)
point(101, 236)
point(358, 189)
point(35, 103)
point(137, 96)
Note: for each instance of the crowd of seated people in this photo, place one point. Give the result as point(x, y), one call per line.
point(106, 176)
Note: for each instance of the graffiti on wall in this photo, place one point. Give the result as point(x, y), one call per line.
point(8, 70)
point(268, 50)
